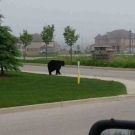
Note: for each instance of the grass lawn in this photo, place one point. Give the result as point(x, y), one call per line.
point(119, 61)
point(27, 88)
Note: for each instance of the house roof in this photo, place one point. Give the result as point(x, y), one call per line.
point(36, 38)
point(98, 36)
point(120, 34)
point(116, 34)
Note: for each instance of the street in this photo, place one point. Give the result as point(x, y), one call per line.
point(69, 120)
point(121, 74)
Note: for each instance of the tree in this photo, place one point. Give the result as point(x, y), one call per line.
point(1, 16)
point(26, 39)
point(8, 51)
point(47, 35)
point(78, 48)
point(70, 37)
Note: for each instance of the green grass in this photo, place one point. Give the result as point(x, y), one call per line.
point(67, 59)
point(43, 55)
point(28, 89)
point(119, 61)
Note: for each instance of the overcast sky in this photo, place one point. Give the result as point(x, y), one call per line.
point(88, 17)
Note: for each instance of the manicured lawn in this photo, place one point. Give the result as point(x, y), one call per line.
point(27, 88)
point(119, 61)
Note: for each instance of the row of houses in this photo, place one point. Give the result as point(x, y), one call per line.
point(119, 40)
point(37, 46)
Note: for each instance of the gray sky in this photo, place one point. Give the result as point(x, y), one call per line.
point(88, 17)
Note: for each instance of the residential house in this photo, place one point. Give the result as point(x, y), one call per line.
point(37, 45)
point(120, 40)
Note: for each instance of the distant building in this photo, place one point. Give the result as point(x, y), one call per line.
point(119, 40)
point(37, 45)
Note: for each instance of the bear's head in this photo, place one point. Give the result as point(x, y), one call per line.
point(62, 63)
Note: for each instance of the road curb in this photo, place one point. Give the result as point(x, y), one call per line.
point(65, 103)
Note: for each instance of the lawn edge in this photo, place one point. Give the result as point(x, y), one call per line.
point(65, 103)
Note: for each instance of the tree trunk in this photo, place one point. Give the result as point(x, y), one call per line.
point(24, 53)
point(2, 70)
point(71, 54)
point(46, 52)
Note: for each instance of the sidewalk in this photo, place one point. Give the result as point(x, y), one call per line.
point(87, 67)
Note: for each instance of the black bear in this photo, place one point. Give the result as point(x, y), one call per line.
point(55, 65)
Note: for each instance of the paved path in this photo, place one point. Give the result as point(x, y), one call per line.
point(128, 74)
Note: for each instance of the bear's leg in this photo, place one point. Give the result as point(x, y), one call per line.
point(50, 73)
point(58, 71)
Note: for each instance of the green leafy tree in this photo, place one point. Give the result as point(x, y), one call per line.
point(70, 38)
point(1, 16)
point(47, 35)
point(8, 51)
point(26, 39)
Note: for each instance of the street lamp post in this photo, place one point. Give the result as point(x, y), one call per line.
point(130, 41)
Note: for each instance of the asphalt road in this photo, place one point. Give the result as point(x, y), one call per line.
point(101, 72)
point(69, 120)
